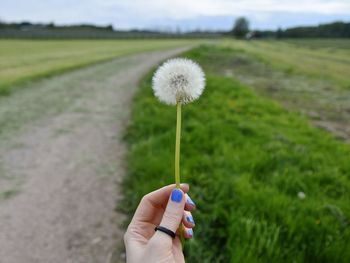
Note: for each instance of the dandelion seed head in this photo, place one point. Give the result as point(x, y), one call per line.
point(178, 80)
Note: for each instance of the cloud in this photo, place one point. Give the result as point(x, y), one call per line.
point(148, 13)
point(181, 9)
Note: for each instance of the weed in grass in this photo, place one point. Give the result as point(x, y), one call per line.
point(8, 194)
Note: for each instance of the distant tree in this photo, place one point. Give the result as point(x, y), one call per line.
point(241, 27)
point(279, 33)
point(51, 25)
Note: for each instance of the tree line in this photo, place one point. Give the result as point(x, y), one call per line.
point(86, 31)
point(331, 30)
point(240, 29)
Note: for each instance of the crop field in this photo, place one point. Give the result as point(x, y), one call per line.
point(269, 185)
point(26, 60)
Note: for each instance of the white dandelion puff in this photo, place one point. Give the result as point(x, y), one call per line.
point(178, 80)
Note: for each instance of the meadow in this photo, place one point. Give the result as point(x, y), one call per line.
point(325, 59)
point(269, 186)
point(309, 76)
point(26, 60)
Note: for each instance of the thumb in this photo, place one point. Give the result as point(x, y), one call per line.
point(174, 210)
point(161, 242)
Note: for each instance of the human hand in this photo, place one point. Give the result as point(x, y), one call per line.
point(167, 207)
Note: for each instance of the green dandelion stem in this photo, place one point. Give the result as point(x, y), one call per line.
point(177, 159)
point(177, 144)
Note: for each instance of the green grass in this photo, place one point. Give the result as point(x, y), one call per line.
point(25, 60)
point(8, 194)
point(327, 104)
point(246, 159)
point(323, 59)
point(324, 43)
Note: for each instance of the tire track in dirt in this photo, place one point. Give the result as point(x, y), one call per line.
point(61, 159)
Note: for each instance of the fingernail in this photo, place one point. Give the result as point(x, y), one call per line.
point(189, 201)
point(190, 232)
point(190, 219)
point(176, 195)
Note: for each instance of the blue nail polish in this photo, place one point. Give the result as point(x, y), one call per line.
point(190, 232)
point(190, 219)
point(176, 195)
point(189, 201)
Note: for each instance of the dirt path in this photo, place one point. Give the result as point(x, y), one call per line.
point(61, 159)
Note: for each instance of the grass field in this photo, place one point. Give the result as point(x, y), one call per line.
point(248, 161)
point(25, 60)
point(272, 69)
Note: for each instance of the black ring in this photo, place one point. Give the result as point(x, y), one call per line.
point(165, 230)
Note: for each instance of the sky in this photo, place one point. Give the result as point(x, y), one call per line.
point(177, 14)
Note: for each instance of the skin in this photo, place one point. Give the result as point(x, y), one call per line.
point(142, 243)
